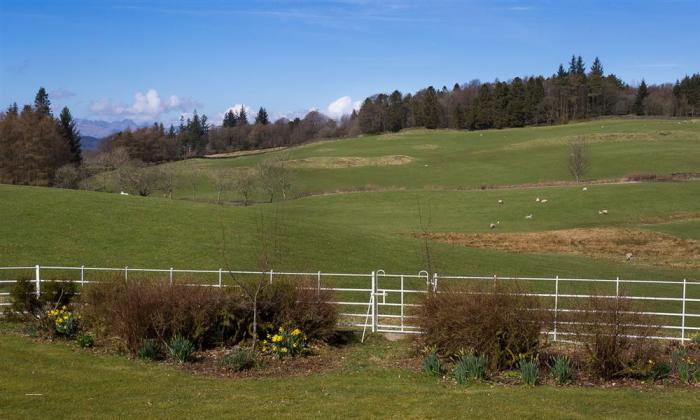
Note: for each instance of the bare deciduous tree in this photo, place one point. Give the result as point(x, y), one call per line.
point(578, 159)
point(223, 180)
point(275, 176)
point(245, 183)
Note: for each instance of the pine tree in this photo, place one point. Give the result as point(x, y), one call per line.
point(13, 110)
point(397, 112)
point(580, 66)
point(262, 117)
point(642, 93)
point(597, 68)
point(230, 119)
point(42, 104)
point(71, 135)
point(242, 117)
point(431, 109)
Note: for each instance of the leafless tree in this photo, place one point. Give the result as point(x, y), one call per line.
point(244, 184)
point(578, 160)
point(223, 180)
point(167, 180)
point(275, 176)
point(137, 178)
point(268, 240)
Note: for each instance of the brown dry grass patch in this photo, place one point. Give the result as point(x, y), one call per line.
point(327, 162)
point(646, 247)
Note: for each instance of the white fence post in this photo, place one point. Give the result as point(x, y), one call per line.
point(617, 287)
point(374, 302)
point(683, 315)
point(270, 276)
point(38, 280)
point(171, 276)
point(402, 303)
point(318, 285)
point(82, 275)
point(220, 278)
point(556, 305)
point(126, 274)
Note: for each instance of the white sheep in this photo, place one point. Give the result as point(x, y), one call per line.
point(529, 216)
point(584, 189)
point(492, 226)
point(500, 201)
point(544, 200)
point(537, 199)
point(629, 256)
point(123, 193)
point(604, 211)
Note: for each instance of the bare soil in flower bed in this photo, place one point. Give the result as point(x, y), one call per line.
point(320, 358)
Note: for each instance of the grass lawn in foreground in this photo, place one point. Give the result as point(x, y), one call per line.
point(78, 383)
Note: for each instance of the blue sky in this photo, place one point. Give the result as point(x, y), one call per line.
point(152, 60)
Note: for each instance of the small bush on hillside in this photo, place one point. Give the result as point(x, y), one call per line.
point(149, 349)
point(180, 349)
point(616, 336)
point(469, 368)
point(239, 360)
point(494, 321)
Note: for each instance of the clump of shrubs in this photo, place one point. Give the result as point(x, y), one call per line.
point(562, 370)
point(145, 314)
point(616, 337)
point(529, 371)
point(495, 321)
point(85, 340)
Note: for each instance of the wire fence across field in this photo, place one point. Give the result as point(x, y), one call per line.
point(384, 302)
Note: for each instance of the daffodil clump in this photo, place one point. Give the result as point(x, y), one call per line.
point(63, 321)
point(285, 343)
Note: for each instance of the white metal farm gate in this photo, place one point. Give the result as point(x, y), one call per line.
point(383, 302)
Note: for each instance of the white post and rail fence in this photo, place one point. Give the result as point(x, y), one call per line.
point(382, 302)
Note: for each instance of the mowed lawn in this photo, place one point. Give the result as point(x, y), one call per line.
point(61, 381)
point(450, 159)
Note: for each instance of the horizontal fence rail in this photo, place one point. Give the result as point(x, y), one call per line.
point(383, 302)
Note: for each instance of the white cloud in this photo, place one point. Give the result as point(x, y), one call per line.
point(60, 94)
point(342, 106)
point(146, 107)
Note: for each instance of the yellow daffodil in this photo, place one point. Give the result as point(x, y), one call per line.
point(276, 338)
point(284, 350)
point(296, 332)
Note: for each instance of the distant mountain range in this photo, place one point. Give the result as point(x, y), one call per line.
point(92, 131)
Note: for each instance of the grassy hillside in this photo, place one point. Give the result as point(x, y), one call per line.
point(448, 159)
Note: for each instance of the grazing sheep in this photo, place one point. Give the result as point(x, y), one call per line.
point(529, 216)
point(584, 189)
point(500, 201)
point(604, 211)
point(628, 256)
point(123, 193)
point(544, 200)
point(492, 226)
point(537, 199)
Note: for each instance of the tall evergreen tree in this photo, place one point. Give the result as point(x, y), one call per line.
point(262, 117)
point(14, 111)
point(642, 93)
point(242, 117)
point(431, 109)
point(597, 68)
point(72, 136)
point(42, 104)
point(230, 119)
